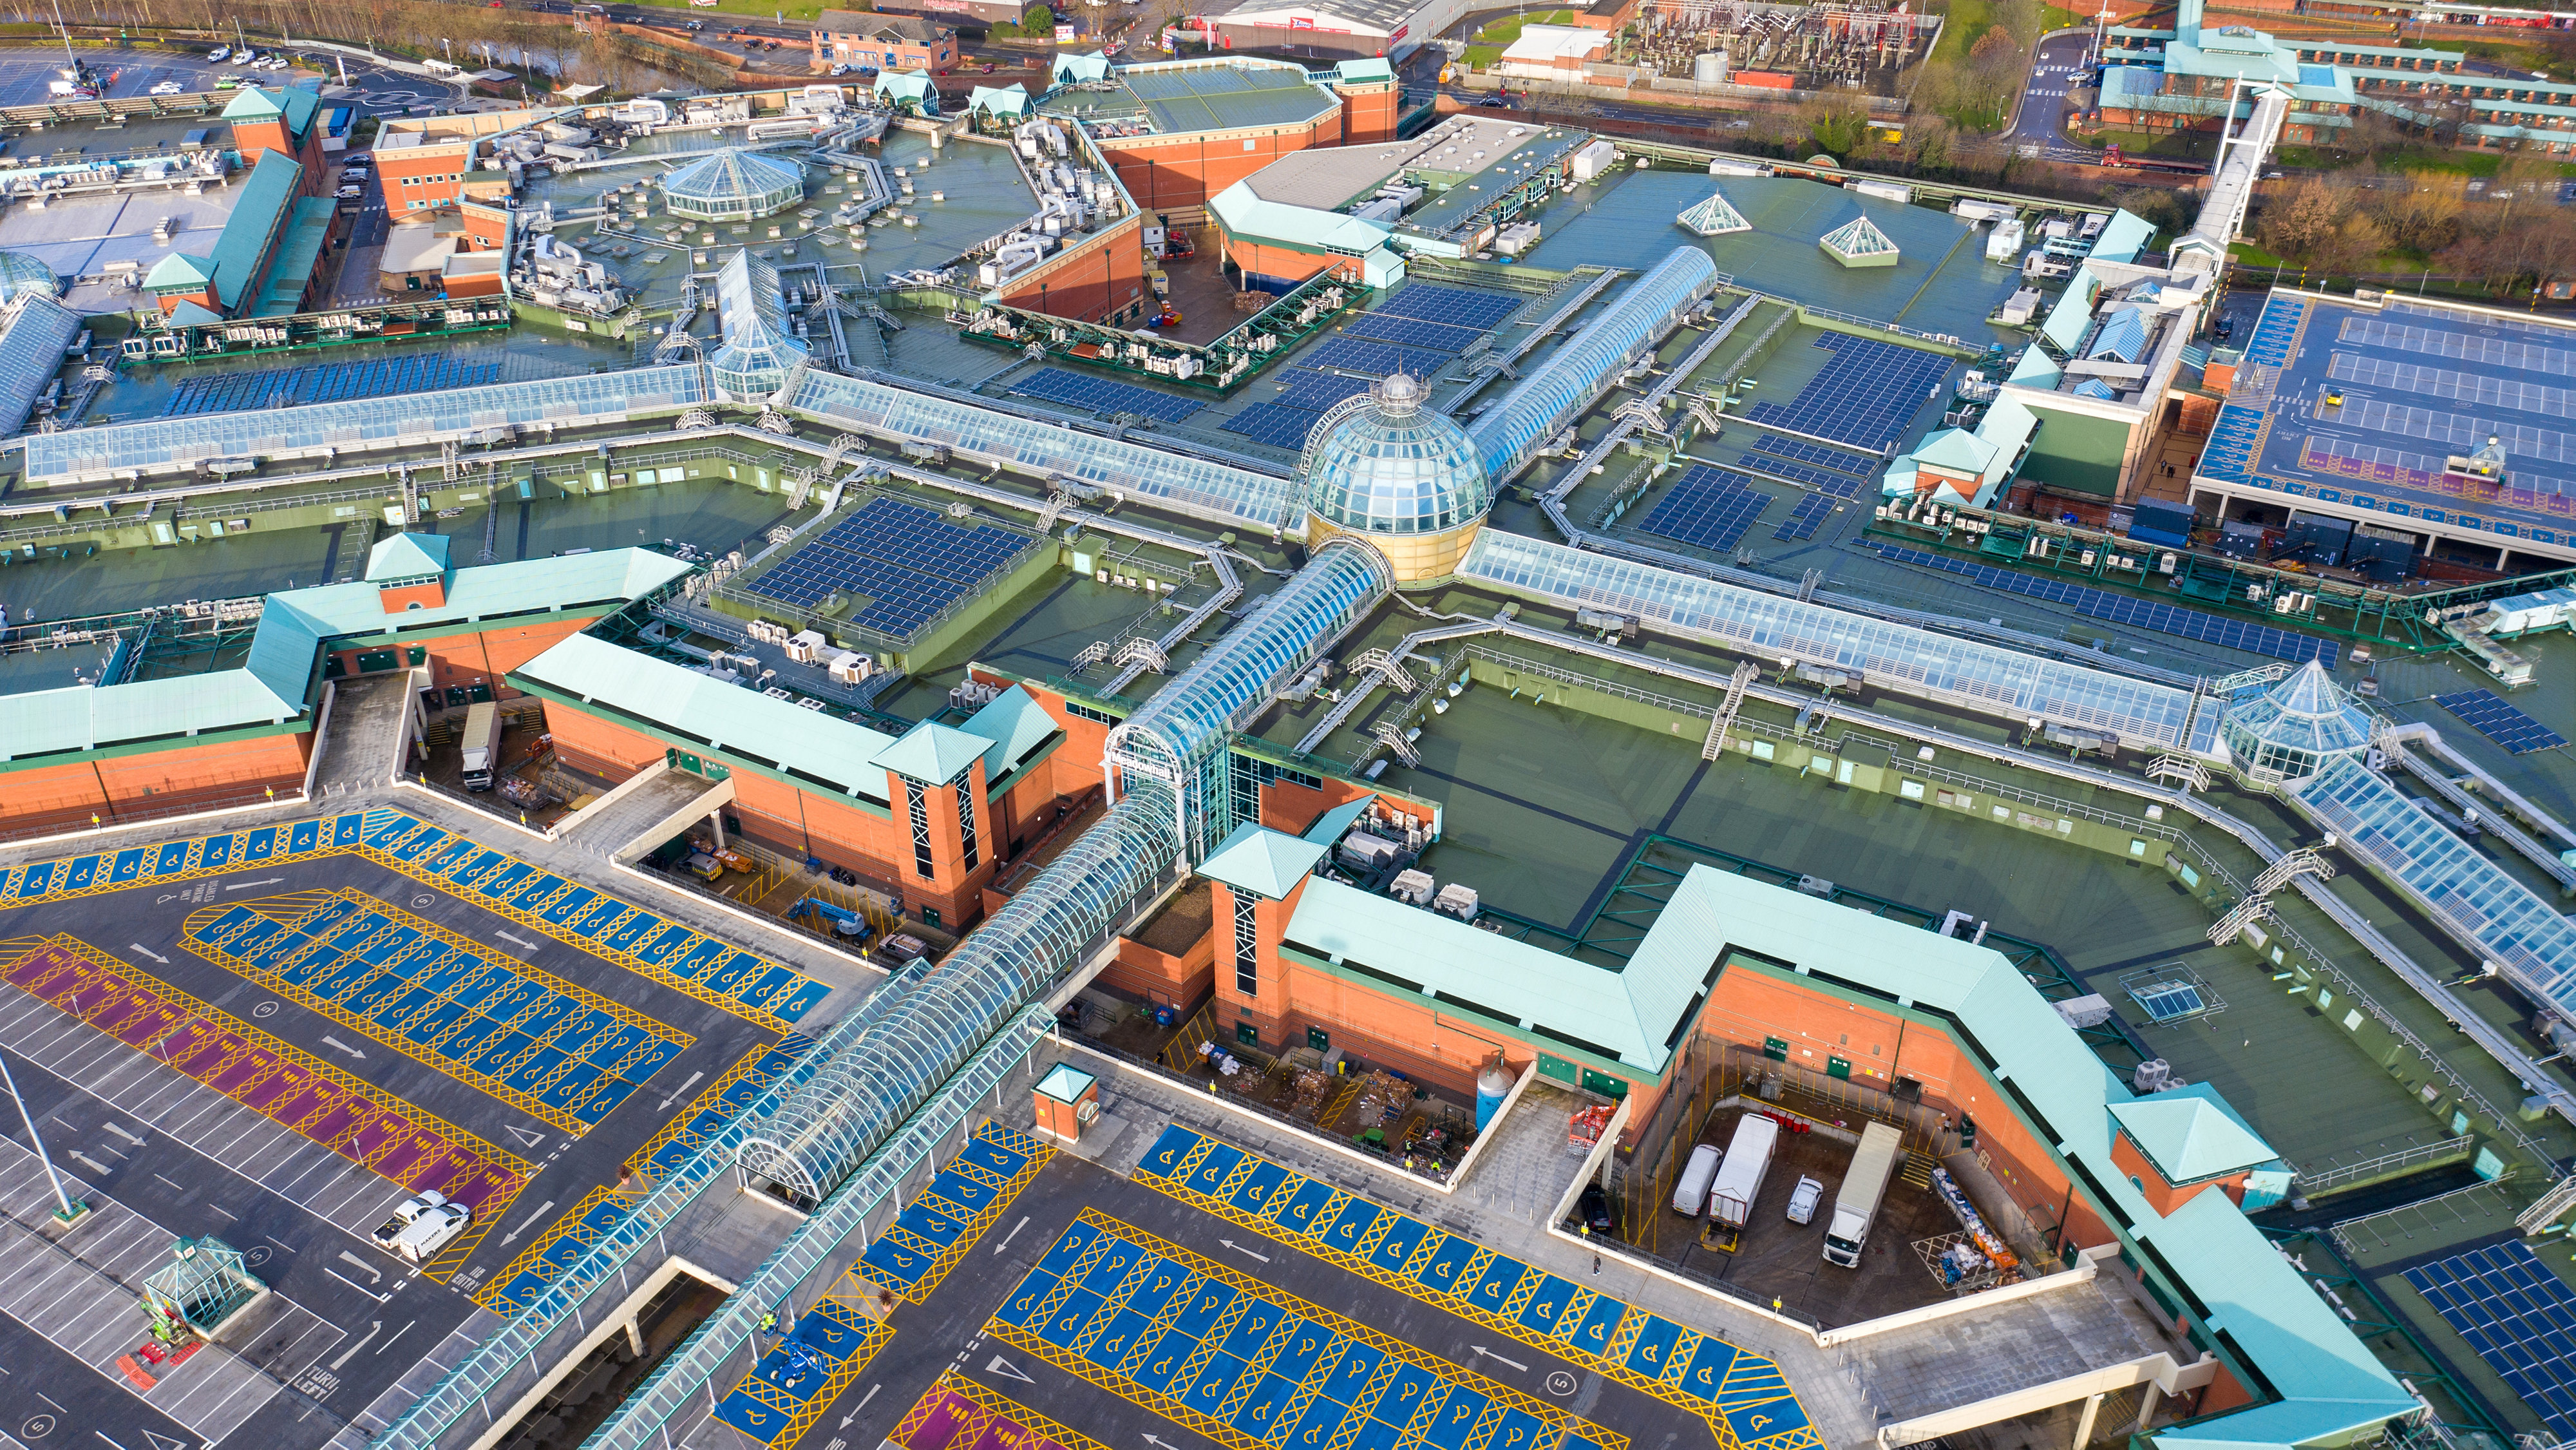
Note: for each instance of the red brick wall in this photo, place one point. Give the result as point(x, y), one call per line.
point(1369, 113)
point(1164, 172)
point(408, 174)
point(1256, 259)
point(2164, 1197)
point(161, 781)
point(1103, 276)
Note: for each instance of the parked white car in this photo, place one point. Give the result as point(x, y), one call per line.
point(219, 55)
point(168, 88)
point(1803, 1200)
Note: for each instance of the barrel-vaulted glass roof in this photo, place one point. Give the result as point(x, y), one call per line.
point(2524, 935)
point(758, 346)
point(1956, 671)
point(1192, 486)
point(362, 423)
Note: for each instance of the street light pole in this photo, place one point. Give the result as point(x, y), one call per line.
point(70, 1211)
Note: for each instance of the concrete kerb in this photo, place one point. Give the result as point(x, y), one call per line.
point(321, 735)
point(155, 826)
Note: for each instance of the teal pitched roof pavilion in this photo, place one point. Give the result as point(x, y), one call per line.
point(2191, 1135)
point(932, 753)
point(1017, 725)
point(407, 556)
point(1265, 862)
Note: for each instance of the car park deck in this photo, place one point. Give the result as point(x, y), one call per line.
point(272, 1037)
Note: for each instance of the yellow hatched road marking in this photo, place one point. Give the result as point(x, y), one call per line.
point(990, 1406)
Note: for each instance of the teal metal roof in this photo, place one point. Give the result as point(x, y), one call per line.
point(298, 253)
point(1245, 214)
point(2123, 237)
point(1957, 450)
point(180, 271)
point(250, 103)
point(1373, 68)
point(408, 556)
point(932, 753)
point(2190, 1134)
point(1329, 826)
point(817, 747)
point(262, 208)
point(1016, 724)
point(1262, 861)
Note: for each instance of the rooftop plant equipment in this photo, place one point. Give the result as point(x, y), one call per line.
point(1859, 243)
point(206, 1282)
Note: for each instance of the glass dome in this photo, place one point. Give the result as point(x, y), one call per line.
point(730, 185)
point(2297, 727)
point(1382, 463)
point(21, 274)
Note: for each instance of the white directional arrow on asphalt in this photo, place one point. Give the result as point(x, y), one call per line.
point(680, 1091)
point(513, 1235)
point(330, 1041)
point(247, 885)
point(1240, 1249)
point(374, 1328)
point(517, 941)
point(120, 1132)
point(159, 1441)
point(147, 951)
point(1482, 1352)
point(523, 1135)
point(1014, 1233)
point(368, 1269)
point(861, 1405)
point(1007, 1370)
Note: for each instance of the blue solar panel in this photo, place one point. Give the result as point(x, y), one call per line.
point(2128, 609)
point(2510, 1308)
point(1377, 359)
point(1276, 424)
point(2487, 713)
point(1314, 391)
point(1100, 395)
point(2168, 1001)
point(1864, 397)
point(1816, 453)
point(907, 561)
point(237, 392)
point(1413, 332)
point(1707, 508)
point(1458, 306)
point(1801, 523)
point(1823, 480)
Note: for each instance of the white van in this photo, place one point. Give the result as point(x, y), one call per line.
point(1690, 1190)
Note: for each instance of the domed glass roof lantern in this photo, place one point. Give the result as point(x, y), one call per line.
point(1382, 463)
point(732, 185)
point(2296, 727)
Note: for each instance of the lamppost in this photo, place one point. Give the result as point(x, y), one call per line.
point(69, 1212)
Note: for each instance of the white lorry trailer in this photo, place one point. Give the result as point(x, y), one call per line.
point(1739, 1179)
point(1864, 1187)
point(482, 745)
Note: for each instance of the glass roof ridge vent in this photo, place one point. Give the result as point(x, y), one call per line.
point(1566, 383)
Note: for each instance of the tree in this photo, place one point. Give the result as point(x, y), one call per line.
point(2295, 222)
point(2352, 248)
point(1837, 124)
point(2426, 216)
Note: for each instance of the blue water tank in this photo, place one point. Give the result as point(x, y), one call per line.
point(1492, 1086)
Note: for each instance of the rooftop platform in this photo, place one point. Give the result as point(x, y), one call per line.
point(2417, 383)
point(1175, 98)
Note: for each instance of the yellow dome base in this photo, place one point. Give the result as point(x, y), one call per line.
point(1416, 559)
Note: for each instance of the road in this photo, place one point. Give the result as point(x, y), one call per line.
point(2056, 67)
point(26, 72)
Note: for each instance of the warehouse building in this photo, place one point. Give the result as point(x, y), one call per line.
point(1388, 29)
point(1179, 132)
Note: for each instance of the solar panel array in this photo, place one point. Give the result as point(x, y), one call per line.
point(1276, 424)
point(909, 562)
point(2489, 715)
point(1377, 359)
point(1458, 306)
point(1801, 523)
point(1864, 397)
point(238, 392)
point(2102, 604)
point(1822, 480)
point(1708, 508)
point(1413, 332)
point(2168, 1001)
point(1816, 453)
point(1100, 395)
point(1314, 391)
point(2518, 1316)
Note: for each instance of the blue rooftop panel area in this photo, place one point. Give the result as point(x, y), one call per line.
point(2363, 406)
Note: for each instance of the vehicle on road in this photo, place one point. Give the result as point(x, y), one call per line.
point(349, 193)
point(481, 745)
point(219, 55)
point(168, 88)
point(421, 1226)
point(1739, 1180)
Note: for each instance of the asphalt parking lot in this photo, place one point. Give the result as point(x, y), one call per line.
point(1119, 1312)
point(199, 1066)
point(26, 72)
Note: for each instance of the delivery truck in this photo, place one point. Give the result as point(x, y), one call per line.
point(1856, 1206)
point(1739, 1180)
point(421, 1226)
point(482, 745)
